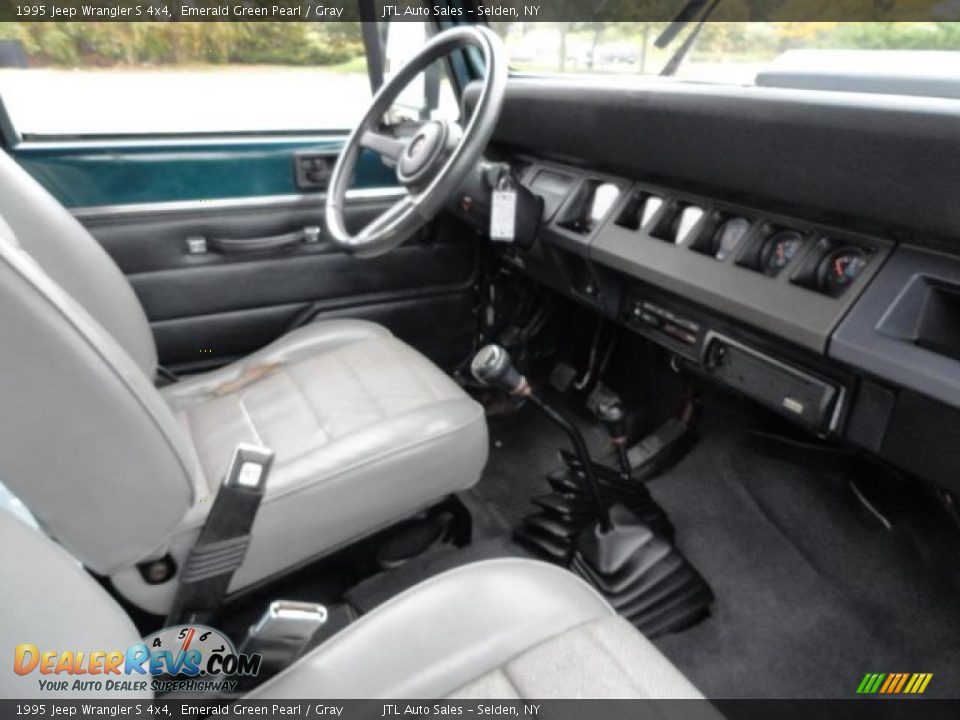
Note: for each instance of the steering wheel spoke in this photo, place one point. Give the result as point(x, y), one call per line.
point(387, 147)
point(389, 218)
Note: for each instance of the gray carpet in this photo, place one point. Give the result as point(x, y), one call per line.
point(524, 447)
point(811, 592)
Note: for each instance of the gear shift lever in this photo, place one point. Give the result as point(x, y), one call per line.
point(613, 417)
point(492, 366)
point(637, 570)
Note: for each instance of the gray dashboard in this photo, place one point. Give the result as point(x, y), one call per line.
point(776, 305)
point(906, 328)
point(876, 173)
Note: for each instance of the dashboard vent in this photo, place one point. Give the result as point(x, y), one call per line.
point(590, 206)
point(640, 210)
point(676, 221)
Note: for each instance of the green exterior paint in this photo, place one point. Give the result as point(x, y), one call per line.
point(91, 173)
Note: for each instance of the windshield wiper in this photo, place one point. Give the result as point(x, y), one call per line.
point(687, 13)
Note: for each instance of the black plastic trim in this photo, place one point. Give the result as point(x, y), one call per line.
point(861, 160)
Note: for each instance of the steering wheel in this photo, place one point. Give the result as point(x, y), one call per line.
point(432, 163)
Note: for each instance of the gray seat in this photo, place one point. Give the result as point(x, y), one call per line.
point(506, 628)
point(365, 429)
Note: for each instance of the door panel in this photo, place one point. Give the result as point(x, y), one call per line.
point(440, 326)
point(110, 173)
point(142, 200)
point(209, 308)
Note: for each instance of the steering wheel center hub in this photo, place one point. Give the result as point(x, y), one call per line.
point(422, 153)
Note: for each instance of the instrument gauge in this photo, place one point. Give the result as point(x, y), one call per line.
point(840, 267)
point(726, 237)
point(779, 249)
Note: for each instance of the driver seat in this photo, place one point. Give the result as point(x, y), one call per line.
point(365, 430)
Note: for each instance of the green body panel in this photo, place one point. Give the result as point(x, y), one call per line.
point(91, 173)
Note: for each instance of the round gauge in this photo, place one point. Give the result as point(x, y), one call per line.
point(779, 249)
point(840, 268)
point(726, 237)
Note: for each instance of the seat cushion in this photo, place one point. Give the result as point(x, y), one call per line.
point(505, 628)
point(56, 606)
point(365, 431)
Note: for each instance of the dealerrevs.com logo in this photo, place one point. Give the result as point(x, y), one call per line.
point(182, 657)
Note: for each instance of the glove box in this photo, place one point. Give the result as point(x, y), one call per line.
point(793, 393)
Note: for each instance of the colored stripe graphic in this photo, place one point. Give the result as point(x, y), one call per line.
point(903, 680)
point(894, 683)
point(870, 683)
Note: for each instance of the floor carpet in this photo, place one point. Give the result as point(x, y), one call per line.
point(811, 591)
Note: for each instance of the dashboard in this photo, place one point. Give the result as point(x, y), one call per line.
point(713, 282)
point(828, 302)
point(782, 275)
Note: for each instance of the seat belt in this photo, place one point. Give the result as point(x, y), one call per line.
point(224, 538)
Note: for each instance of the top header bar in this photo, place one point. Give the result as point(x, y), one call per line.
point(471, 11)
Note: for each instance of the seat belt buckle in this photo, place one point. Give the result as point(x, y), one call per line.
point(283, 633)
point(249, 468)
point(289, 621)
point(222, 544)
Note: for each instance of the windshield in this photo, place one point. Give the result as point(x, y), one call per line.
point(737, 52)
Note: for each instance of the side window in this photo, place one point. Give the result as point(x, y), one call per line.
point(116, 78)
point(430, 95)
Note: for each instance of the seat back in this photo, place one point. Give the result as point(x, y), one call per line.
point(75, 261)
point(87, 442)
point(53, 604)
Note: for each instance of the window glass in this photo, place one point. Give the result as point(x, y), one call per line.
point(429, 96)
point(143, 78)
point(735, 52)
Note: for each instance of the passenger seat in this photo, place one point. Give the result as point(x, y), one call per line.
point(505, 628)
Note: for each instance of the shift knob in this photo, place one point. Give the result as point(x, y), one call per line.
point(492, 366)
